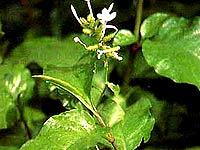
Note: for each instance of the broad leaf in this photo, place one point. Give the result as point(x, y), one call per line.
point(136, 126)
point(124, 37)
point(173, 48)
point(70, 130)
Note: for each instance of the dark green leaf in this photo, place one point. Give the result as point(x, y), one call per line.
point(173, 50)
point(124, 37)
point(70, 130)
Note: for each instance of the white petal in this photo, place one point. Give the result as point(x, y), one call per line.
point(75, 14)
point(89, 6)
point(110, 7)
point(105, 11)
point(113, 15)
point(99, 16)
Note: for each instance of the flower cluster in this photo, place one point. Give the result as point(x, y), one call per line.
point(97, 29)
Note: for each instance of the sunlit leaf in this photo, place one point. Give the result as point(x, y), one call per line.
point(173, 48)
point(70, 130)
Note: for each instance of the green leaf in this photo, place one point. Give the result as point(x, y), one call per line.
point(69, 130)
point(151, 25)
point(173, 50)
point(124, 37)
point(111, 112)
point(15, 82)
point(136, 126)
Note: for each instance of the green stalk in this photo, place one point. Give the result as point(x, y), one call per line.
point(138, 19)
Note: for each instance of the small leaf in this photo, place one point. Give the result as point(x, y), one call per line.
point(136, 126)
point(70, 130)
point(173, 49)
point(111, 112)
point(124, 37)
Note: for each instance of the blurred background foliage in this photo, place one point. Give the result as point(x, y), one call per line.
point(176, 110)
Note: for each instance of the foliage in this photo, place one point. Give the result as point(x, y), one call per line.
point(101, 89)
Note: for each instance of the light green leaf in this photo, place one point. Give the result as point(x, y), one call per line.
point(70, 130)
point(136, 126)
point(174, 49)
point(124, 37)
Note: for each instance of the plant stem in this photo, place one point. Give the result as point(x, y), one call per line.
point(138, 19)
point(20, 108)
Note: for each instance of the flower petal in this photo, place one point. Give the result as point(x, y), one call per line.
point(75, 14)
point(110, 7)
point(113, 15)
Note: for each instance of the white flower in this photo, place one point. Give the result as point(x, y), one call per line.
point(106, 16)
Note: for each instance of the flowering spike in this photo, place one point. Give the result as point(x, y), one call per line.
point(75, 14)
